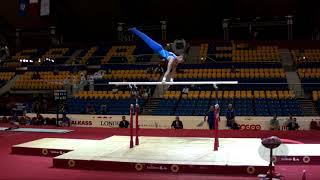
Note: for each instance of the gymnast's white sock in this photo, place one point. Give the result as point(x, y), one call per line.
point(164, 79)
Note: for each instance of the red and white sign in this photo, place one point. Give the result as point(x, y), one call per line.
point(247, 123)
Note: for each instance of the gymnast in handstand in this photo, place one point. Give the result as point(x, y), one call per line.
point(173, 60)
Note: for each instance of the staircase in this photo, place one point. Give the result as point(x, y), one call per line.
point(292, 76)
point(159, 91)
point(286, 60)
point(151, 106)
point(307, 107)
point(294, 84)
point(9, 84)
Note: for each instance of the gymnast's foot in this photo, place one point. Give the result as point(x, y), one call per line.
point(164, 80)
point(171, 79)
point(130, 29)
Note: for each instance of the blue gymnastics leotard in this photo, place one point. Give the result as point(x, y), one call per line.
point(156, 47)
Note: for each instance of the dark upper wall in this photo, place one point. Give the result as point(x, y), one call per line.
point(85, 19)
point(9, 11)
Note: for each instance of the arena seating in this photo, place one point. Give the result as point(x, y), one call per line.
point(138, 75)
point(28, 54)
point(316, 99)
point(249, 73)
point(115, 54)
point(310, 78)
point(306, 55)
point(116, 103)
point(86, 55)
point(269, 76)
point(259, 103)
point(119, 54)
point(239, 52)
point(261, 54)
point(263, 88)
point(5, 76)
point(46, 80)
point(127, 73)
point(59, 55)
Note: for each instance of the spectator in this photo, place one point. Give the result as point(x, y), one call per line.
point(65, 120)
point(314, 125)
point(185, 90)
point(67, 85)
point(235, 125)
point(148, 90)
point(211, 118)
point(194, 87)
point(230, 116)
point(64, 108)
point(124, 123)
point(44, 106)
point(67, 81)
point(38, 120)
point(150, 69)
point(103, 109)
point(177, 124)
point(135, 93)
point(145, 95)
point(141, 91)
point(35, 76)
point(4, 119)
point(23, 120)
point(90, 109)
point(274, 123)
point(293, 125)
point(233, 69)
point(28, 120)
point(83, 81)
point(115, 90)
point(290, 119)
point(36, 107)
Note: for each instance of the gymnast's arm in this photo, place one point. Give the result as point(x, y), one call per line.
point(169, 67)
point(174, 70)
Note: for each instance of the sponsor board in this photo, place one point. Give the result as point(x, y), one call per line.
point(247, 123)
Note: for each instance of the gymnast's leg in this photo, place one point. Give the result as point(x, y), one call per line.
point(150, 42)
point(169, 67)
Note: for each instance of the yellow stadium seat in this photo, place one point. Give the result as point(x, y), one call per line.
point(226, 94)
point(291, 95)
point(274, 94)
point(219, 94)
point(243, 94)
point(190, 95)
point(281, 95)
point(202, 95)
point(231, 94)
